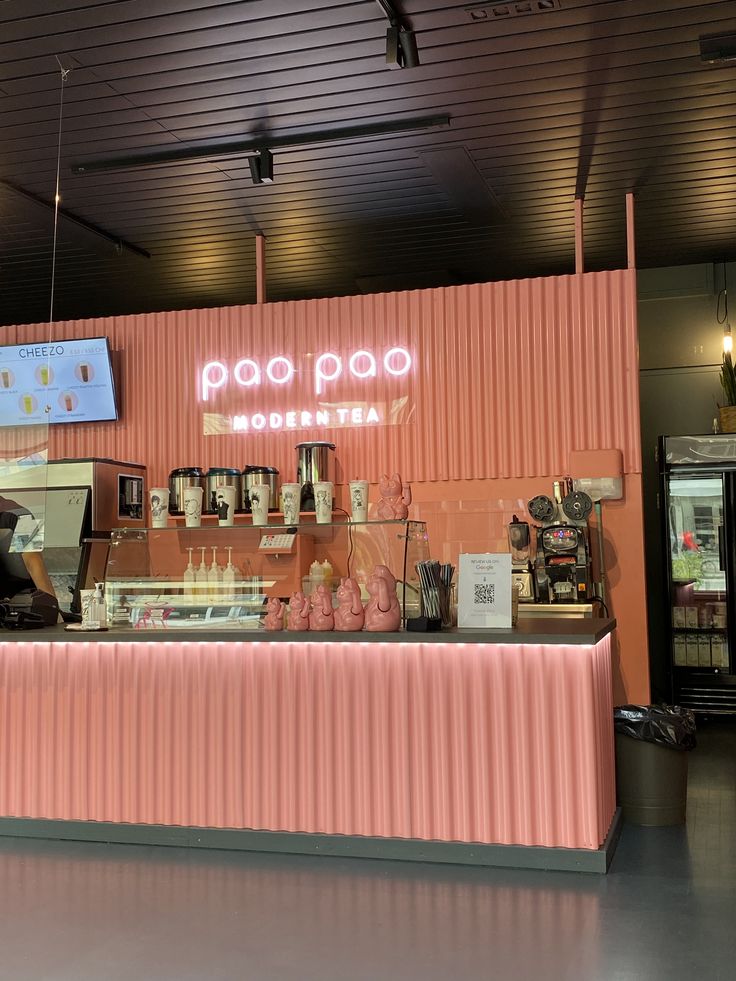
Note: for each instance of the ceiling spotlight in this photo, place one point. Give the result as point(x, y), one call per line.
point(401, 48)
point(718, 49)
point(261, 167)
point(401, 43)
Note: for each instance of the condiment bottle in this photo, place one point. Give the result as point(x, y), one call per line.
point(98, 608)
point(228, 578)
point(316, 576)
point(214, 578)
point(189, 576)
point(200, 576)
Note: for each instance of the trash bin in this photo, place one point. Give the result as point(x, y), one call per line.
point(652, 743)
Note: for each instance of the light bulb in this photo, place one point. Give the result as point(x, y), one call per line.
point(727, 339)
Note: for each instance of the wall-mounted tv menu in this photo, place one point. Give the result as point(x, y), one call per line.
point(73, 378)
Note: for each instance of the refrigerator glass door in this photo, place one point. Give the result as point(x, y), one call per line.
point(697, 566)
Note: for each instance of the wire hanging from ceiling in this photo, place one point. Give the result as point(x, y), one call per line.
point(57, 194)
point(723, 320)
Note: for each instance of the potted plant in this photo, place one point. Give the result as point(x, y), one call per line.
point(727, 411)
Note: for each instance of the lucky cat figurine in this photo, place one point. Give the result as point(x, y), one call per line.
point(395, 499)
point(298, 615)
point(382, 611)
point(275, 610)
point(349, 614)
point(321, 616)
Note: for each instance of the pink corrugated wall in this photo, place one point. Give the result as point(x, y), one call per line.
point(470, 742)
point(509, 378)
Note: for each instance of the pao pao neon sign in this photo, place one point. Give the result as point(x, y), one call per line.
point(328, 367)
point(323, 371)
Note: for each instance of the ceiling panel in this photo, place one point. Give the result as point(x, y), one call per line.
point(595, 98)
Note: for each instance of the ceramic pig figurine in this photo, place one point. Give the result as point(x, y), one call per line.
point(382, 611)
point(275, 610)
point(298, 616)
point(321, 617)
point(395, 499)
point(349, 614)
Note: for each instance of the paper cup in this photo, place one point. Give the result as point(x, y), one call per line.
point(259, 501)
point(359, 500)
point(225, 499)
point(323, 501)
point(291, 496)
point(159, 497)
point(192, 501)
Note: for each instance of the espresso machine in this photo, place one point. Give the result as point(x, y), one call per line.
point(522, 570)
point(562, 567)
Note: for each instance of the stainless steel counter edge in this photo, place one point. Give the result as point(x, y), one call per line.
point(581, 632)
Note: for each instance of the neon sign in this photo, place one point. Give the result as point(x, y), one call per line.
point(280, 370)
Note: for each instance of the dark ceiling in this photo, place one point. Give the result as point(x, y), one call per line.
point(546, 99)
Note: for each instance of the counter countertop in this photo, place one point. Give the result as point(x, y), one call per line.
point(534, 631)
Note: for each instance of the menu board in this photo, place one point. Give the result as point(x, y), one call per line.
point(61, 381)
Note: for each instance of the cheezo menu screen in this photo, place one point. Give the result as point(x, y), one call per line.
point(73, 378)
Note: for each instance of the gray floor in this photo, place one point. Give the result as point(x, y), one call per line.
point(82, 912)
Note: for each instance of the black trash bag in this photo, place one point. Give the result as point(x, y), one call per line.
point(665, 725)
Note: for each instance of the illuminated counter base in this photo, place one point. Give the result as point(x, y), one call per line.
point(463, 749)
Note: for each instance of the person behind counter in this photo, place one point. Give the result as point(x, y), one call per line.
point(19, 571)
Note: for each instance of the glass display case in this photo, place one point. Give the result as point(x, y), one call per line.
point(222, 577)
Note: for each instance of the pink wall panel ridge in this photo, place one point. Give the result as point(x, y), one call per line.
point(508, 378)
point(486, 743)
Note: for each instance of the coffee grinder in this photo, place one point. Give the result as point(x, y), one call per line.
point(522, 572)
point(562, 568)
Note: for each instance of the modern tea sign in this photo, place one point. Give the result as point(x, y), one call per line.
point(318, 379)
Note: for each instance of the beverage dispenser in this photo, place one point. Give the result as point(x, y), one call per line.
point(315, 461)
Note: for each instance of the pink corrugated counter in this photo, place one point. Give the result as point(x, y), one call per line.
point(491, 742)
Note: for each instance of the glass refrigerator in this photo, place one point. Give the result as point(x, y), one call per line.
point(698, 509)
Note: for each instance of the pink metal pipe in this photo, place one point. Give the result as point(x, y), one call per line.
point(260, 268)
point(630, 232)
point(579, 243)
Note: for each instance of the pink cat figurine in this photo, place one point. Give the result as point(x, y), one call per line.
point(298, 615)
point(275, 614)
point(349, 614)
point(382, 611)
point(395, 499)
point(321, 617)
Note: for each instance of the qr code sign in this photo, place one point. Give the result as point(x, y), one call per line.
point(485, 594)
